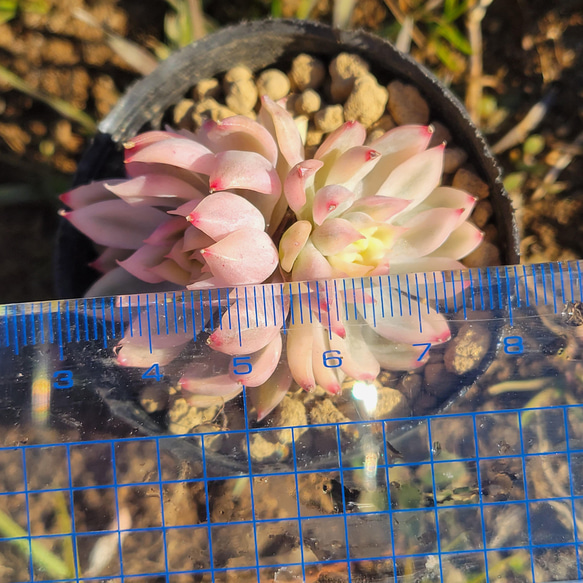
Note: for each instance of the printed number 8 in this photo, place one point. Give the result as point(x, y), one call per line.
point(513, 345)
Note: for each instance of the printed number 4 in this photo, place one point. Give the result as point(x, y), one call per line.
point(153, 373)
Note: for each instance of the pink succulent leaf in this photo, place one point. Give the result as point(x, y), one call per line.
point(461, 242)
point(426, 232)
point(396, 146)
point(329, 378)
point(394, 355)
point(239, 335)
point(136, 169)
point(331, 308)
point(299, 351)
point(415, 178)
point(133, 349)
point(343, 268)
point(198, 380)
point(241, 133)
point(425, 265)
point(311, 264)
point(184, 209)
point(292, 242)
point(352, 166)
point(144, 139)
point(195, 239)
point(221, 213)
point(115, 223)
point(170, 271)
point(115, 282)
point(358, 361)
point(140, 263)
point(181, 258)
point(276, 119)
point(447, 197)
point(247, 170)
point(243, 257)
point(412, 139)
point(266, 397)
point(379, 208)
point(178, 152)
point(89, 194)
point(154, 190)
point(167, 232)
point(300, 177)
point(331, 201)
point(403, 326)
point(347, 136)
point(109, 258)
point(208, 283)
point(334, 235)
point(263, 364)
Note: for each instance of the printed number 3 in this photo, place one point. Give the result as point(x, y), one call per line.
point(63, 379)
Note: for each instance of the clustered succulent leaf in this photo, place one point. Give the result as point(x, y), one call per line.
point(201, 209)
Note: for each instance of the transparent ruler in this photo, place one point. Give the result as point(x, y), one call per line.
point(144, 438)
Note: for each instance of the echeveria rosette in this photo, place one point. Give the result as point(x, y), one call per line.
point(199, 210)
point(366, 211)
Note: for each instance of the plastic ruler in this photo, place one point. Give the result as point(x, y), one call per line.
point(479, 481)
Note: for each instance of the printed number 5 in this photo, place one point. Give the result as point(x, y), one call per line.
point(242, 365)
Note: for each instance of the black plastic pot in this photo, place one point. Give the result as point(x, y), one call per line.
point(259, 45)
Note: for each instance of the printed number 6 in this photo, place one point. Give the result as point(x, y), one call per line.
point(332, 358)
point(243, 363)
point(63, 379)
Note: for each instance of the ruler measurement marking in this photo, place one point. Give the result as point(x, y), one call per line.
point(354, 300)
point(309, 301)
point(382, 299)
point(291, 304)
point(554, 289)
point(454, 291)
point(212, 317)
point(345, 299)
point(139, 318)
point(121, 324)
point(166, 323)
point(408, 293)
point(130, 317)
point(444, 292)
point(534, 286)
point(418, 305)
point(374, 315)
point(238, 316)
point(509, 296)
point(499, 286)
point(247, 308)
point(490, 291)
point(24, 331)
point(480, 285)
point(518, 302)
point(363, 298)
point(60, 330)
point(255, 304)
point(33, 327)
point(221, 309)
point(571, 284)
point(301, 304)
point(463, 296)
point(202, 318)
point(435, 293)
point(148, 320)
point(526, 294)
point(175, 312)
point(50, 322)
point(579, 281)
point(400, 298)
point(104, 323)
point(562, 283)
point(426, 292)
point(112, 315)
point(265, 304)
point(318, 301)
point(15, 328)
point(274, 309)
point(542, 269)
point(472, 291)
point(390, 295)
point(281, 295)
point(6, 328)
point(193, 316)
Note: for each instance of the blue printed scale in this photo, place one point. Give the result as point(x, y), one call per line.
point(469, 468)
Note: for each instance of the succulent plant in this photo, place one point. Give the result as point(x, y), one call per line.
point(207, 209)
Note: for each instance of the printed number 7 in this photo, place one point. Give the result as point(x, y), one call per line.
point(427, 347)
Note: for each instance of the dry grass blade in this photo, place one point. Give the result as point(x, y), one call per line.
point(133, 54)
point(59, 105)
point(342, 12)
point(400, 16)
